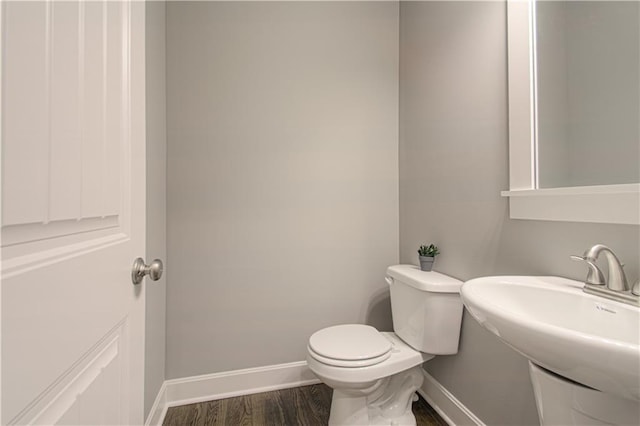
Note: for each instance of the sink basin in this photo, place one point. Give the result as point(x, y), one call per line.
point(551, 321)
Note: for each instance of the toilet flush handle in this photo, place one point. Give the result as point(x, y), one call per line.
point(389, 280)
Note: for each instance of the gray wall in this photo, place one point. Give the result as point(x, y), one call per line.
point(155, 292)
point(453, 165)
point(282, 176)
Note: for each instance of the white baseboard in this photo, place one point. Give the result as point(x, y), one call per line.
point(210, 387)
point(448, 406)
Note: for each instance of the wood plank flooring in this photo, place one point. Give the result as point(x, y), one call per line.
point(306, 405)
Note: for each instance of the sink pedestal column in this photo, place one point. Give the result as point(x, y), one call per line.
point(563, 402)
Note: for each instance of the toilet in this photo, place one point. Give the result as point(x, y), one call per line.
point(374, 375)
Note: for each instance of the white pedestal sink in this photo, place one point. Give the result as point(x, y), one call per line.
point(587, 339)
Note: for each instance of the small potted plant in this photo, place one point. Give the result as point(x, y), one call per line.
point(427, 255)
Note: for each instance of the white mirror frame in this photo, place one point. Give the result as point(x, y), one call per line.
point(600, 204)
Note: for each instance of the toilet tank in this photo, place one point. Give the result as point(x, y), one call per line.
point(426, 309)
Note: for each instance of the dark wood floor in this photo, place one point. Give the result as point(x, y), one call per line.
point(306, 405)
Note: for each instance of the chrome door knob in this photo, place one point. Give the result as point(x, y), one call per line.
point(139, 270)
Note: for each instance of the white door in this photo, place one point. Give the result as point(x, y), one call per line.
point(73, 182)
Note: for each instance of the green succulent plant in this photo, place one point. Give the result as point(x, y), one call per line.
point(428, 251)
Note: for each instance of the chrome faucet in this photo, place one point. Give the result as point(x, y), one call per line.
point(616, 279)
point(615, 287)
point(595, 275)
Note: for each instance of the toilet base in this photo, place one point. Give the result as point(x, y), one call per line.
point(387, 402)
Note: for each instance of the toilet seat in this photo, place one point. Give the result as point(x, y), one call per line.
point(349, 345)
point(402, 357)
point(345, 363)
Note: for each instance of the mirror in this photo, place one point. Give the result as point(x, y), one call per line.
point(587, 78)
point(562, 196)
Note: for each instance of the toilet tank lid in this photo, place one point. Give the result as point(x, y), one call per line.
point(426, 281)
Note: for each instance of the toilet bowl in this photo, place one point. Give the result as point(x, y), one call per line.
point(374, 375)
point(363, 390)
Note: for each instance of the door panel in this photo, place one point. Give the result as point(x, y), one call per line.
point(72, 211)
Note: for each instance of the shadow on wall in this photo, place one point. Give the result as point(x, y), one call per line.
point(379, 311)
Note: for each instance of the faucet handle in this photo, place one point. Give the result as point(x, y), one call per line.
point(595, 275)
point(636, 288)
